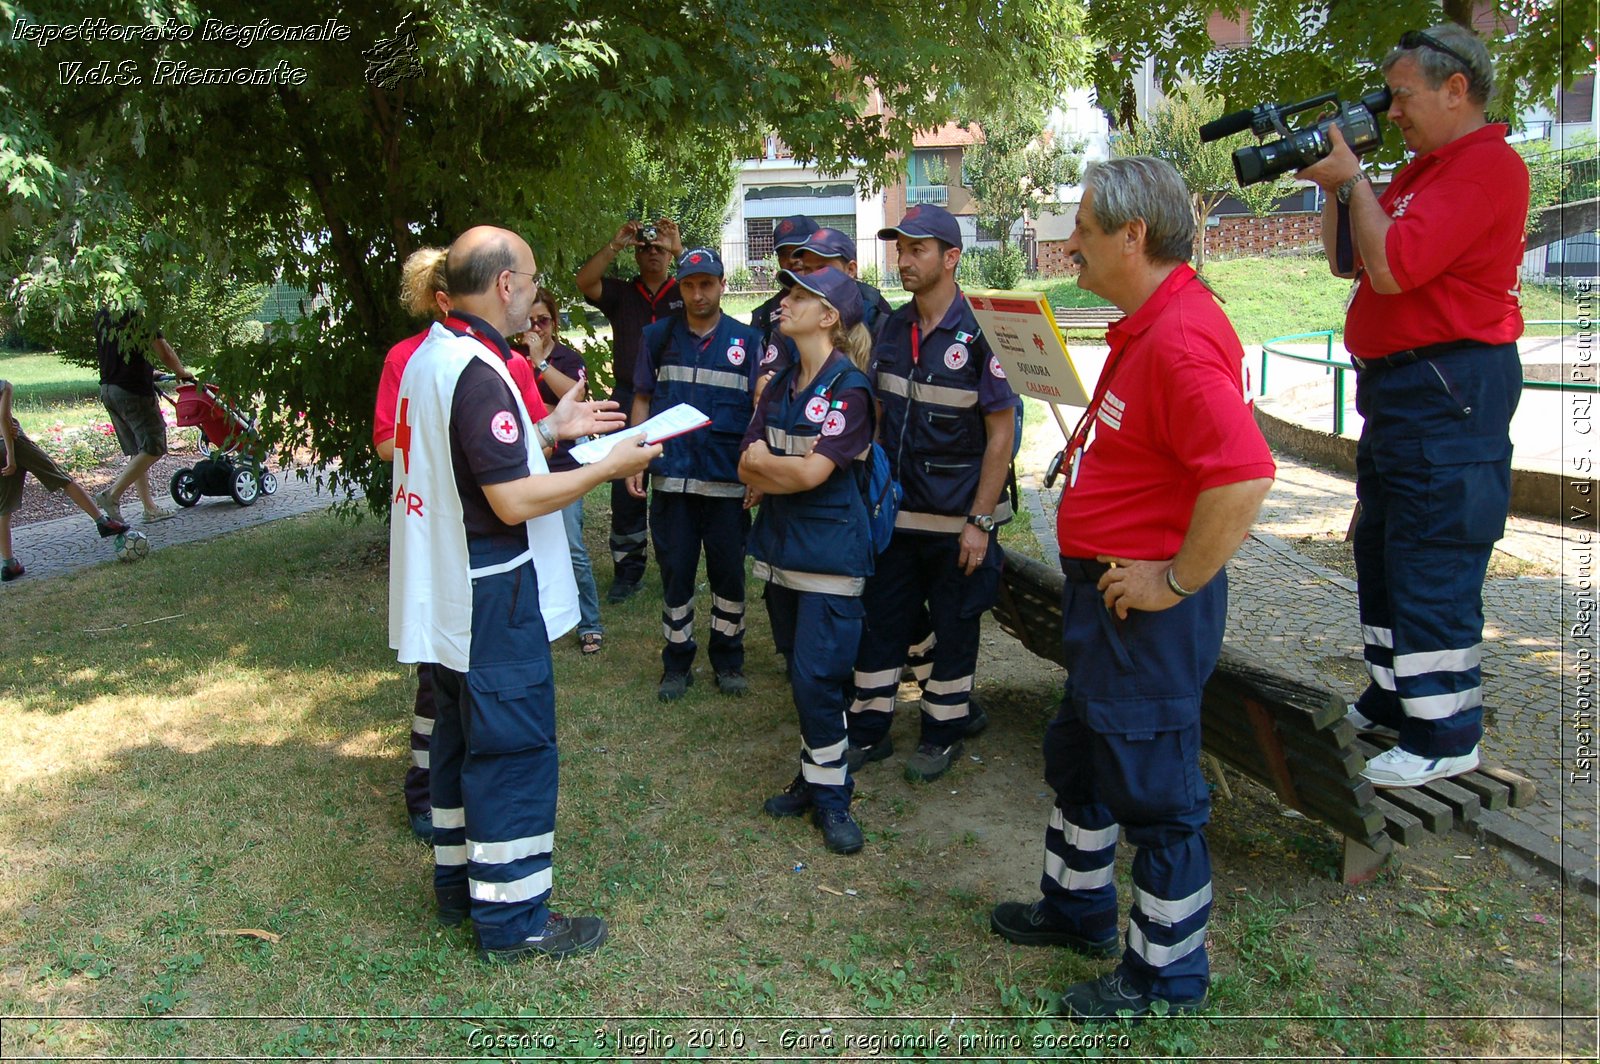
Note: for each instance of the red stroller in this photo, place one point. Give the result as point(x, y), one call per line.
point(230, 434)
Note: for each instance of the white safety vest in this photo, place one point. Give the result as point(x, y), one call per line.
point(430, 578)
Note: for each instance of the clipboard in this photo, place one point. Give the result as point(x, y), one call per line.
point(677, 421)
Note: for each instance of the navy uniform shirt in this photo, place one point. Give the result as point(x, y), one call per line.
point(629, 306)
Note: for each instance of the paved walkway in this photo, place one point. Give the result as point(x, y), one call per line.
point(1302, 618)
point(67, 544)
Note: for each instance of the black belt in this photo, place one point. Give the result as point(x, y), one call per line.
point(1083, 570)
point(1413, 354)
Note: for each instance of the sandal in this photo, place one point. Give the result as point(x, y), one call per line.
point(591, 642)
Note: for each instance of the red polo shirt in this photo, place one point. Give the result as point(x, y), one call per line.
point(394, 366)
point(1457, 240)
point(1173, 423)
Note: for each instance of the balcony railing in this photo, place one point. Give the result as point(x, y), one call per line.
point(928, 194)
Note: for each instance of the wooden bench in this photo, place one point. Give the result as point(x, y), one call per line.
point(1086, 318)
point(1289, 736)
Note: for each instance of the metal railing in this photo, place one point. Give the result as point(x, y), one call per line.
point(928, 194)
point(1340, 368)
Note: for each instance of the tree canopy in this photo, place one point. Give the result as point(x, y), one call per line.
point(165, 147)
point(1014, 166)
point(1300, 48)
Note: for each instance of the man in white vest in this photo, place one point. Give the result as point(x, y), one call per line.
point(479, 584)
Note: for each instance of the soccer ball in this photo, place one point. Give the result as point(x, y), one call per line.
point(132, 546)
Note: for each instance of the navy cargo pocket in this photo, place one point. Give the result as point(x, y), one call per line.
point(1149, 756)
point(512, 707)
point(1469, 489)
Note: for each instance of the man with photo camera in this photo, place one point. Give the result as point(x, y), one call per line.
point(1432, 328)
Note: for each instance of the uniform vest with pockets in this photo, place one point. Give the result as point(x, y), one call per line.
point(714, 377)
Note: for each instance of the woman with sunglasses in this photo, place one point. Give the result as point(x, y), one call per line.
point(802, 459)
point(561, 369)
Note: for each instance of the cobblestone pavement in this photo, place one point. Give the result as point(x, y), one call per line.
point(66, 544)
point(1301, 618)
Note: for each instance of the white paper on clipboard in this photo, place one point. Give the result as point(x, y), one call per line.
point(676, 421)
point(1021, 330)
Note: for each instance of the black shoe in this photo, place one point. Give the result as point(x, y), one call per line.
point(795, 799)
point(622, 591)
point(840, 832)
point(11, 571)
point(976, 722)
point(673, 685)
point(1110, 997)
point(856, 756)
point(422, 825)
point(110, 526)
point(561, 937)
point(454, 907)
point(732, 682)
point(931, 761)
point(1032, 925)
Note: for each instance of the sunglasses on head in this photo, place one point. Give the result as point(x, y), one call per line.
point(1411, 40)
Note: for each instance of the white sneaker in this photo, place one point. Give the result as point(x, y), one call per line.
point(1364, 725)
point(109, 505)
point(1396, 767)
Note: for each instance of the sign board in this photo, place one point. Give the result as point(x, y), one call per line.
point(1021, 330)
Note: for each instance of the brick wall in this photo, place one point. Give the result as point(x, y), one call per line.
point(1237, 235)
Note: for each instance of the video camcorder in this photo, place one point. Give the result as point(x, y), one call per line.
point(1299, 148)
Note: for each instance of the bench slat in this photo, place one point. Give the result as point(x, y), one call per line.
point(1435, 815)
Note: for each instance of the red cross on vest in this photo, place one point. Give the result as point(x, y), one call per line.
point(402, 437)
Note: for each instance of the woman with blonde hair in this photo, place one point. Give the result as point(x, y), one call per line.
point(803, 461)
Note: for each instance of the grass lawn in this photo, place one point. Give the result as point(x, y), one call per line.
point(47, 389)
point(200, 759)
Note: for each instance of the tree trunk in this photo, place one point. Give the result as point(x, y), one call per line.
point(1459, 12)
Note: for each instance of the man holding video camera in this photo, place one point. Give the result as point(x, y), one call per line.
point(1432, 329)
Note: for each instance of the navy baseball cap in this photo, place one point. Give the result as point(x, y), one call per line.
point(699, 260)
point(792, 230)
point(834, 285)
point(925, 219)
point(831, 244)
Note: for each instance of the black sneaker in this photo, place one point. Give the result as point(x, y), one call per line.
point(1032, 925)
point(561, 937)
point(931, 761)
point(422, 825)
point(840, 832)
point(110, 526)
point(977, 721)
point(856, 756)
point(1111, 997)
point(732, 682)
point(622, 591)
point(454, 906)
point(673, 685)
point(795, 799)
point(11, 570)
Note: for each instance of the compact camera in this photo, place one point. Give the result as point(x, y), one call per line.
point(1299, 148)
point(647, 234)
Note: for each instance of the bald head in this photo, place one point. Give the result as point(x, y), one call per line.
point(491, 273)
point(480, 255)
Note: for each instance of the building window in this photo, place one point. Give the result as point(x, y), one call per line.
point(927, 176)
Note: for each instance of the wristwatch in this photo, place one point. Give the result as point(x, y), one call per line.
point(985, 522)
point(1342, 194)
point(543, 367)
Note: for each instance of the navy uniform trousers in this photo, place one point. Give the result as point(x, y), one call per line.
point(494, 760)
point(916, 570)
point(682, 523)
point(818, 634)
point(1433, 473)
point(629, 520)
point(1125, 749)
point(422, 718)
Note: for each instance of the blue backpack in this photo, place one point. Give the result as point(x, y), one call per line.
point(883, 494)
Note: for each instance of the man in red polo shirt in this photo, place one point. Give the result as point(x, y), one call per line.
point(1167, 472)
point(1433, 329)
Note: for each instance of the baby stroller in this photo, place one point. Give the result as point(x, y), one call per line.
point(234, 466)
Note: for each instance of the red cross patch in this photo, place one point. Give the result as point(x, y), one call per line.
point(771, 355)
point(995, 367)
point(955, 356)
point(736, 355)
point(505, 428)
point(833, 424)
point(816, 409)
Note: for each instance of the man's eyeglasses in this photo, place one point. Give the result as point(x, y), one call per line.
point(525, 273)
point(542, 323)
point(1411, 40)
